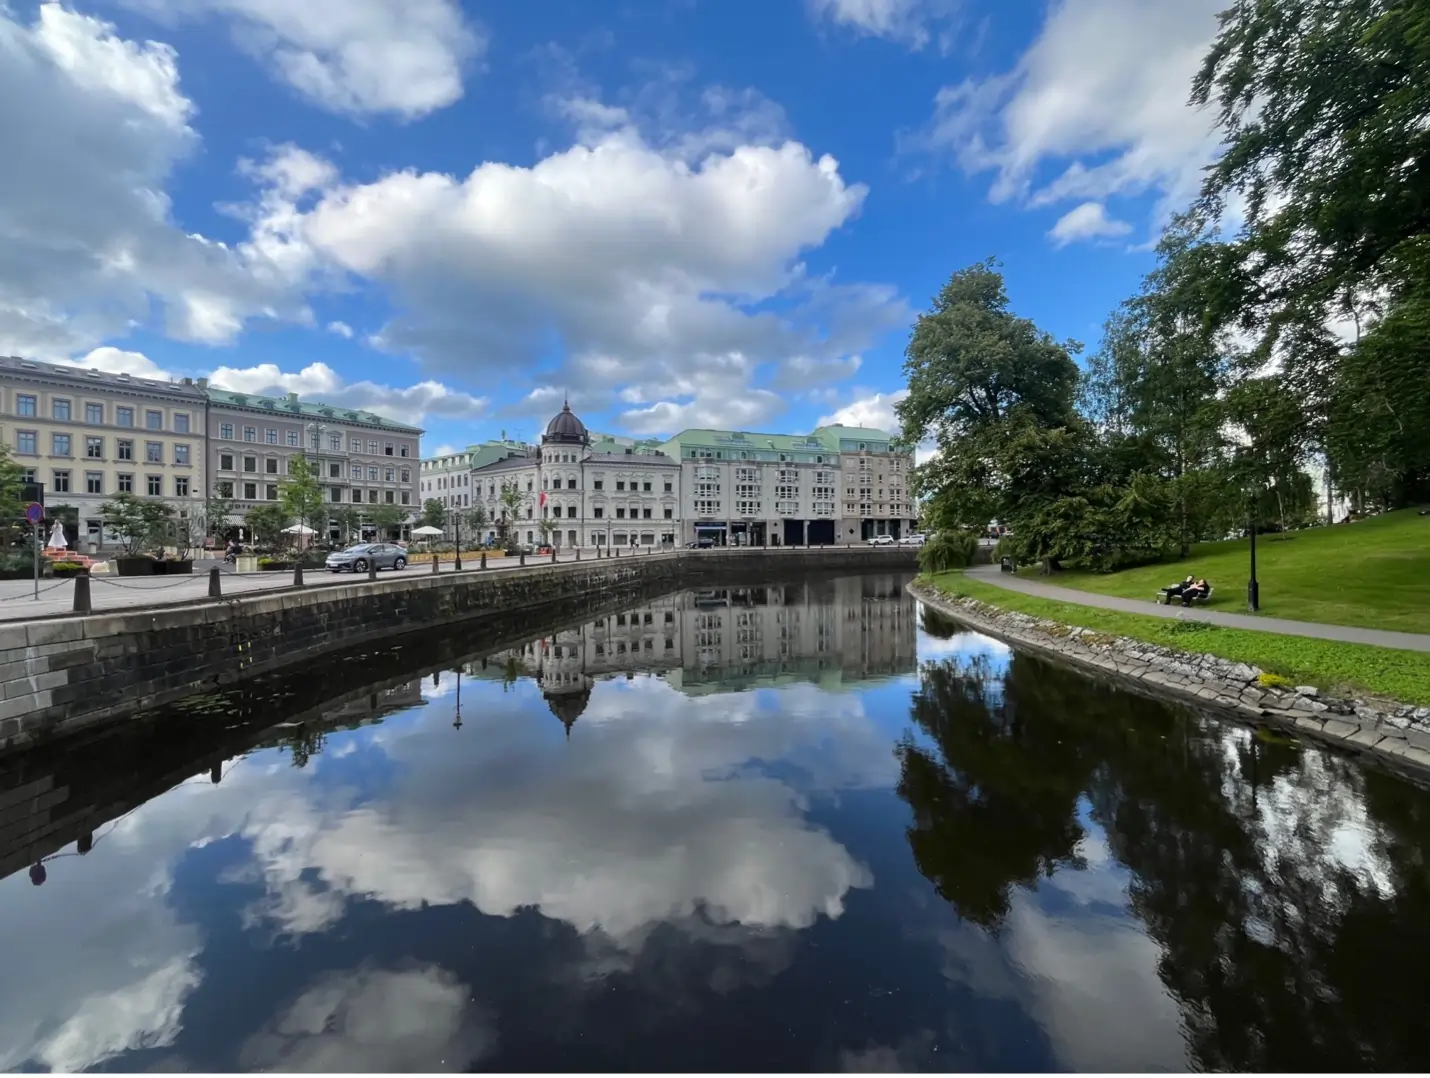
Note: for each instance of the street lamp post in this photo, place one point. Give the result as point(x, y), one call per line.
point(1253, 588)
point(457, 563)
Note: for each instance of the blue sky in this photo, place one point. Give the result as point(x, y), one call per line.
point(680, 212)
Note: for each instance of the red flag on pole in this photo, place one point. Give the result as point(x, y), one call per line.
point(543, 498)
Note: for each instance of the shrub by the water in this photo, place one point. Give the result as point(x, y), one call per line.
point(948, 550)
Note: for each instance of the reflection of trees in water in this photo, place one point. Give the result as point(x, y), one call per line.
point(1283, 952)
point(303, 743)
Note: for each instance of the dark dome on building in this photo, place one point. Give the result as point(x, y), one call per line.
point(568, 706)
point(565, 429)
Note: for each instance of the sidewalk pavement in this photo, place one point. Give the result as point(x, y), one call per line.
point(1348, 634)
point(111, 593)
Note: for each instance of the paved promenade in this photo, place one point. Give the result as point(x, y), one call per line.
point(1348, 634)
point(111, 593)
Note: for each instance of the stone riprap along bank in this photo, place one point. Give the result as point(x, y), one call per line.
point(1397, 733)
point(61, 675)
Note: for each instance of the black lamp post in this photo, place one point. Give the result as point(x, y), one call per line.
point(457, 563)
point(1253, 588)
point(457, 722)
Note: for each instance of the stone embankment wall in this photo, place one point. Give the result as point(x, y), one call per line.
point(1397, 733)
point(58, 676)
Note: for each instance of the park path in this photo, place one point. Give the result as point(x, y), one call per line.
point(1346, 634)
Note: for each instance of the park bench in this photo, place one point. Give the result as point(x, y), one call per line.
point(1165, 599)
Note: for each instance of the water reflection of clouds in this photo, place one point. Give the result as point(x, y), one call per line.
point(648, 818)
point(966, 646)
point(1081, 965)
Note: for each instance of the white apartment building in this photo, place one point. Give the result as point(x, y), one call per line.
point(573, 491)
point(87, 435)
point(836, 485)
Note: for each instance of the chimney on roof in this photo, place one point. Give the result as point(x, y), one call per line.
point(188, 381)
point(292, 398)
point(203, 383)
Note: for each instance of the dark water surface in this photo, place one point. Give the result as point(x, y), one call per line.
point(793, 828)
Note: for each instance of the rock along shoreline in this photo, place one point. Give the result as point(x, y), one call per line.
point(1394, 733)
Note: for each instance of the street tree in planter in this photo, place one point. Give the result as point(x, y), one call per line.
point(217, 507)
point(265, 523)
point(349, 523)
point(141, 525)
point(434, 514)
point(301, 497)
point(477, 522)
point(388, 519)
point(511, 502)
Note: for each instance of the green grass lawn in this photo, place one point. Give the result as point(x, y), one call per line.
point(1342, 669)
point(1374, 574)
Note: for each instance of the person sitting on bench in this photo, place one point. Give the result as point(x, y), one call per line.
point(1176, 589)
point(1200, 590)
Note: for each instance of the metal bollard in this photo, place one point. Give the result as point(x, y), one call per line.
point(215, 583)
point(216, 774)
point(298, 573)
point(522, 562)
point(649, 549)
point(372, 568)
point(484, 559)
point(82, 603)
point(434, 561)
point(553, 555)
point(578, 553)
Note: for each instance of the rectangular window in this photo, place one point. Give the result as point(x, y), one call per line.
point(670, 514)
point(404, 451)
point(250, 492)
point(250, 464)
point(94, 448)
point(125, 449)
point(598, 512)
point(372, 448)
point(123, 417)
point(598, 484)
point(620, 484)
point(27, 442)
point(293, 437)
point(250, 434)
point(357, 471)
point(60, 445)
point(270, 465)
point(94, 413)
point(407, 475)
point(667, 486)
point(406, 497)
point(620, 513)
point(181, 454)
point(372, 475)
point(645, 513)
point(270, 435)
point(181, 422)
point(60, 409)
point(124, 484)
point(387, 449)
point(646, 486)
point(225, 462)
point(154, 452)
point(61, 481)
point(225, 489)
point(225, 431)
point(153, 420)
point(155, 484)
point(355, 445)
point(335, 470)
point(335, 442)
point(270, 491)
point(570, 510)
point(372, 497)
point(391, 498)
point(181, 486)
point(388, 475)
point(26, 404)
point(335, 494)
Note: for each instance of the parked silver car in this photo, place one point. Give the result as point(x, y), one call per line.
point(359, 556)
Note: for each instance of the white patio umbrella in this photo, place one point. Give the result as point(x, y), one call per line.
point(299, 529)
point(57, 538)
point(427, 530)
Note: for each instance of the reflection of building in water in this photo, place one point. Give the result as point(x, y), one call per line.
point(833, 632)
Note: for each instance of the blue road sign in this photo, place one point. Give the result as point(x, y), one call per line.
point(34, 512)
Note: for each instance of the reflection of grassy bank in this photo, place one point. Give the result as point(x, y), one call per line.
point(1344, 669)
point(1375, 574)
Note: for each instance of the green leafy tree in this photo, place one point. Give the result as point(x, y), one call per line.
point(348, 521)
point(265, 523)
point(388, 519)
point(979, 376)
point(434, 514)
point(511, 501)
point(218, 506)
point(300, 495)
point(947, 550)
point(12, 507)
point(141, 523)
point(477, 521)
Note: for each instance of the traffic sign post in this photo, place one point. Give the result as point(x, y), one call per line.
point(35, 513)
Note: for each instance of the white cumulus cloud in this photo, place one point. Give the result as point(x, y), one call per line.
point(402, 57)
point(1087, 222)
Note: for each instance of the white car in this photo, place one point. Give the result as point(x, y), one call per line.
point(916, 539)
point(882, 540)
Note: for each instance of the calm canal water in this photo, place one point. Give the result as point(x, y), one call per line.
point(795, 828)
